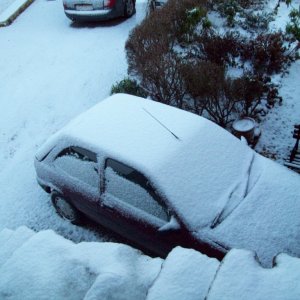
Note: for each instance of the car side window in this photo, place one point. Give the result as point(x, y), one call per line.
point(79, 163)
point(130, 186)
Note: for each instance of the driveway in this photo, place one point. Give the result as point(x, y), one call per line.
point(50, 71)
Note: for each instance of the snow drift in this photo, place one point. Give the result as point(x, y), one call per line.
point(44, 265)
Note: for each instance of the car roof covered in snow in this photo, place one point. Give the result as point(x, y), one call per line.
point(192, 162)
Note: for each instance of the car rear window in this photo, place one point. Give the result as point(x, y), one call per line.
point(77, 163)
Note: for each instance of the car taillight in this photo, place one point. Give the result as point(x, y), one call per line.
point(109, 3)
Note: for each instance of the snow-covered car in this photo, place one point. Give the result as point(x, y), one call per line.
point(98, 10)
point(161, 177)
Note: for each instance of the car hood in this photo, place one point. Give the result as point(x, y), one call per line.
point(200, 176)
point(267, 219)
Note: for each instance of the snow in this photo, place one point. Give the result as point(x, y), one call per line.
point(81, 169)
point(282, 16)
point(4, 4)
point(243, 125)
point(241, 277)
point(211, 163)
point(47, 266)
point(51, 70)
point(186, 274)
point(12, 240)
point(116, 132)
point(11, 7)
point(171, 225)
point(44, 265)
point(266, 220)
point(132, 193)
point(278, 126)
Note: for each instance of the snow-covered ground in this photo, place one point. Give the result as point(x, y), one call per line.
point(5, 4)
point(277, 140)
point(50, 71)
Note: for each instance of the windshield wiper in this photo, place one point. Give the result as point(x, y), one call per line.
point(237, 195)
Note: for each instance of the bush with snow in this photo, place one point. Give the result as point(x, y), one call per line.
point(182, 62)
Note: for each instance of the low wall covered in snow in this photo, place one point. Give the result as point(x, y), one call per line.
point(44, 265)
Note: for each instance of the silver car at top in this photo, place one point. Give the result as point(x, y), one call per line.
point(98, 10)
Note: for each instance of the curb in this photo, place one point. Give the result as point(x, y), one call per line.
point(13, 11)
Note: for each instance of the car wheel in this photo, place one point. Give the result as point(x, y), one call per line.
point(66, 210)
point(129, 8)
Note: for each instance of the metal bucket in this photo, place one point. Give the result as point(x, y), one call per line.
point(244, 127)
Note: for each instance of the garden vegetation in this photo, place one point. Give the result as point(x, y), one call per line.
point(179, 58)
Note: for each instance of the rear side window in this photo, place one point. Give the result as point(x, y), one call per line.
point(80, 153)
point(128, 185)
point(80, 164)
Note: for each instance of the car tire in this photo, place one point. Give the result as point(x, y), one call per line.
point(129, 8)
point(65, 209)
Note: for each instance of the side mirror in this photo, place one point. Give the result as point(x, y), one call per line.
point(172, 225)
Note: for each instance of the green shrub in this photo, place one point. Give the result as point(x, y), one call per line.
point(190, 22)
point(128, 86)
point(206, 23)
point(293, 27)
point(229, 9)
point(256, 20)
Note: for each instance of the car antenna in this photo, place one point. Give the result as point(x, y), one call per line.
point(164, 126)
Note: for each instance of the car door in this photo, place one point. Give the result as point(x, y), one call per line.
point(134, 210)
point(77, 178)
